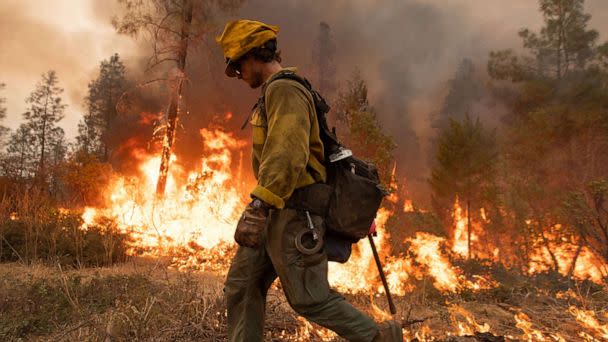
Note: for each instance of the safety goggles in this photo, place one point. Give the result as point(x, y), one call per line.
point(233, 68)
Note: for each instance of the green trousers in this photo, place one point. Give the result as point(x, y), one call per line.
point(303, 278)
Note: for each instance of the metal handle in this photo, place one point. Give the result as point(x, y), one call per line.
point(391, 305)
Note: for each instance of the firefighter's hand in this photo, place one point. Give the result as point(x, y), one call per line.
point(251, 225)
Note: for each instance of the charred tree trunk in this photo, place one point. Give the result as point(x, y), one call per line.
point(548, 246)
point(468, 229)
point(527, 234)
point(173, 110)
point(575, 259)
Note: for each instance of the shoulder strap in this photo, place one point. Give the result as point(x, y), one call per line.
point(329, 138)
point(319, 101)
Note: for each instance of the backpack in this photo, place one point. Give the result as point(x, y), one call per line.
point(355, 185)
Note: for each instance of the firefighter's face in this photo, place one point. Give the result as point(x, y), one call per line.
point(249, 70)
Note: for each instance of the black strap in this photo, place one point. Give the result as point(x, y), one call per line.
point(329, 138)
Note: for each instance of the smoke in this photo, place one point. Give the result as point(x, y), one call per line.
point(70, 37)
point(406, 50)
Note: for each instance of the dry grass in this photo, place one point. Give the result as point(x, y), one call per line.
point(33, 229)
point(144, 300)
point(141, 300)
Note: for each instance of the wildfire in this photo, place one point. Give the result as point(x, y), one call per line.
point(530, 333)
point(307, 332)
point(460, 234)
point(469, 325)
point(201, 207)
point(588, 320)
point(408, 206)
point(428, 256)
point(195, 222)
point(550, 249)
point(362, 262)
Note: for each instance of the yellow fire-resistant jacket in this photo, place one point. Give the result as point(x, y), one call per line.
point(287, 150)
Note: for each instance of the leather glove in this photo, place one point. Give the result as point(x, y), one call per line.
point(252, 223)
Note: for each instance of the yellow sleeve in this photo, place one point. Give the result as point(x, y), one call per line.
point(286, 150)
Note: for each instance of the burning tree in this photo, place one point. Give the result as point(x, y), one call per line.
point(587, 212)
point(465, 170)
point(173, 26)
point(556, 134)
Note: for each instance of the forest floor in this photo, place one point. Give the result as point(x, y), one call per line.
point(146, 300)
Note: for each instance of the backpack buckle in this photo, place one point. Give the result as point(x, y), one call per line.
point(342, 153)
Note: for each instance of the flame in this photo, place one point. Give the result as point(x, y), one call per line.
point(200, 208)
point(460, 240)
point(393, 197)
point(588, 320)
point(524, 323)
point(469, 326)
point(195, 223)
point(588, 264)
point(408, 206)
point(307, 332)
point(361, 261)
point(424, 334)
point(428, 257)
point(427, 249)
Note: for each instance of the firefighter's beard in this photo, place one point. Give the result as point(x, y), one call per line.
point(256, 79)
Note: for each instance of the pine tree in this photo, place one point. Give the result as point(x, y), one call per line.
point(362, 131)
point(465, 168)
point(563, 45)
point(102, 100)
point(464, 90)
point(2, 102)
point(556, 133)
point(3, 130)
point(20, 159)
point(44, 112)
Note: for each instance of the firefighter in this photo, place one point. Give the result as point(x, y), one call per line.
point(286, 203)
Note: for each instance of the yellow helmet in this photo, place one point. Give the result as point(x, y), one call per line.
point(242, 35)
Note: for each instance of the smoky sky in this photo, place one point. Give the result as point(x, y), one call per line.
point(406, 50)
point(68, 36)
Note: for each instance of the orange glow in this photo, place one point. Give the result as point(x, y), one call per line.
point(200, 207)
point(588, 264)
point(588, 321)
point(408, 206)
point(460, 239)
point(465, 323)
point(530, 333)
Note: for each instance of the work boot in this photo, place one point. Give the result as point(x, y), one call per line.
point(389, 331)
